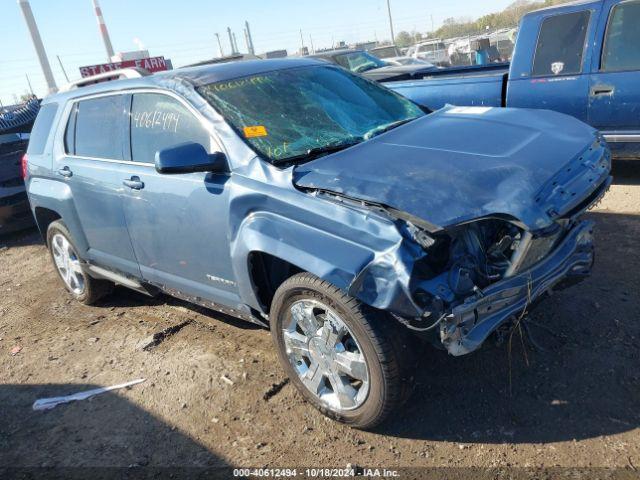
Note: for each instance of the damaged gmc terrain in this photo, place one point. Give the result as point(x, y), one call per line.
point(297, 195)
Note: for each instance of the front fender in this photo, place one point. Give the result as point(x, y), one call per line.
point(377, 277)
point(385, 283)
point(327, 256)
point(360, 250)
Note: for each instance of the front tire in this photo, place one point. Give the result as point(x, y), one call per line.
point(70, 266)
point(345, 358)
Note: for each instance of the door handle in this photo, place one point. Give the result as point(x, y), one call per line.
point(602, 90)
point(134, 183)
point(65, 172)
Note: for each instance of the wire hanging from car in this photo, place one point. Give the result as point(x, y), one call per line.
point(407, 323)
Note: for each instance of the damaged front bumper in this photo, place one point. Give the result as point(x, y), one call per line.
point(471, 322)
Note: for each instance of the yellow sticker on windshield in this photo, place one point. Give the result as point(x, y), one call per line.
point(255, 131)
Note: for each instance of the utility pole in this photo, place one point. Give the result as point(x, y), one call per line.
point(37, 44)
point(301, 43)
point(250, 46)
point(103, 30)
point(235, 43)
point(313, 50)
point(246, 40)
point(220, 45)
point(233, 50)
point(30, 87)
point(393, 37)
point(62, 67)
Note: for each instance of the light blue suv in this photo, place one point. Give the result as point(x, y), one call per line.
point(299, 196)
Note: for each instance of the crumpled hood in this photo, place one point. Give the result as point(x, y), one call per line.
point(462, 163)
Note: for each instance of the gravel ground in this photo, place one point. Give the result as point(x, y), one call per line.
point(215, 395)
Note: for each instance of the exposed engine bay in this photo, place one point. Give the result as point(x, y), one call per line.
point(480, 254)
point(477, 275)
point(462, 262)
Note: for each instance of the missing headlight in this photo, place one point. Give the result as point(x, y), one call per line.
point(481, 254)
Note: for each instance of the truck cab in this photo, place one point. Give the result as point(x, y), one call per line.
point(586, 63)
point(582, 59)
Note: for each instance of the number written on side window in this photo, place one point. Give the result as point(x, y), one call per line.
point(622, 43)
point(158, 122)
point(99, 123)
point(561, 44)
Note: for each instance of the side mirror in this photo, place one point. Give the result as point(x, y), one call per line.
point(189, 157)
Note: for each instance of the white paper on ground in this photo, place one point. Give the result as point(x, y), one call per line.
point(49, 403)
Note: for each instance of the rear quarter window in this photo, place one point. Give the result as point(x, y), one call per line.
point(42, 128)
point(561, 44)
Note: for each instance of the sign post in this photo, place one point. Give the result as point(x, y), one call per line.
point(153, 64)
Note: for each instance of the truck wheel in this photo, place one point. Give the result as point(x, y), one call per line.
point(69, 266)
point(344, 357)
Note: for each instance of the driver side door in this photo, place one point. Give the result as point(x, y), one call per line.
point(177, 223)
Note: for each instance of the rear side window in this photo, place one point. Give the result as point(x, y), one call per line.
point(99, 127)
point(561, 44)
point(159, 121)
point(42, 128)
point(622, 42)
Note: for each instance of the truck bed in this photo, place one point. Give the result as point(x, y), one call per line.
point(468, 86)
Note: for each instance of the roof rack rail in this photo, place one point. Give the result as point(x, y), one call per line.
point(120, 74)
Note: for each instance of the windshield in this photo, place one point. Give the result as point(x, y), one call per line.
point(298, 113)
point(359, 62)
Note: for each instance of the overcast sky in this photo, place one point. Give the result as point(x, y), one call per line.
point(184, 30)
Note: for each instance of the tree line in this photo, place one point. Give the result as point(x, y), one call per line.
point(459, 27)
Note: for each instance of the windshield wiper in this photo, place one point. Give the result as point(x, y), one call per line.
point(316, 152)
point(385, 128)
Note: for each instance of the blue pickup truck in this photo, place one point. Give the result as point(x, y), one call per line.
point(582, 59)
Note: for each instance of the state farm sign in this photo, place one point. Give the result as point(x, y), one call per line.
point(153, 64)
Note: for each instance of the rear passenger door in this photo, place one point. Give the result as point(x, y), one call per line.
point(94, 151)
point(614, 99)
point(178, 223)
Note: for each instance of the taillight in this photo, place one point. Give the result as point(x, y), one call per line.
point(24, 166)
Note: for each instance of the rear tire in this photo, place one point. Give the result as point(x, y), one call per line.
point(326, 363)
point(71, 267)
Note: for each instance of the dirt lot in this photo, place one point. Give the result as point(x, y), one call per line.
point(576, 403)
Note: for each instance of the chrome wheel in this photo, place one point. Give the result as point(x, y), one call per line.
point(68, 264)
point(326, 356)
